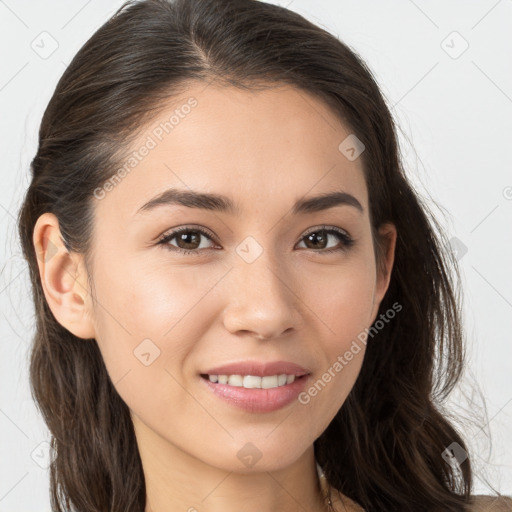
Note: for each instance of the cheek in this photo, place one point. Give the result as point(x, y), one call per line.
point(342, 297)
point(138, 302)
point(342, 305)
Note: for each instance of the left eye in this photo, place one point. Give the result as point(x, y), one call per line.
point(192, 237)
point(322, 234)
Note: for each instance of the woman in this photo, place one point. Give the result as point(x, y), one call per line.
point(241, 302)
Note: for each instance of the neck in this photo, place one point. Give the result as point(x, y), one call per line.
point(175, 480)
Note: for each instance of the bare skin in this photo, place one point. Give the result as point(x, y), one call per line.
point(294, 302)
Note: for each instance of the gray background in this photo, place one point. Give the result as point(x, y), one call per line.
point(445, 69)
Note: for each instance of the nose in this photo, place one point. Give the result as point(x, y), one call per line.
point(262, 300)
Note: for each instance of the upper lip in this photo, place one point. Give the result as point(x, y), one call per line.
point(259, 369)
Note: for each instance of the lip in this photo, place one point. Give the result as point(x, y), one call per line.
point(258, 369)
point(258, 400)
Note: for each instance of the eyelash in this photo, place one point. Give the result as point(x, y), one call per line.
point(343, 237)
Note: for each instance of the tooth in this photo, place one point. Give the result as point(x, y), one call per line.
point(270, 381)
point(251, 381)
point(235, 380)
point(281, 380)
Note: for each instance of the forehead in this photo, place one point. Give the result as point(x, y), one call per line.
point(264, 149)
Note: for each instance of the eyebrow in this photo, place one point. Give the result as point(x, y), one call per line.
point(223, 204)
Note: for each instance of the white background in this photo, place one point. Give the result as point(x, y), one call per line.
point(455, 117)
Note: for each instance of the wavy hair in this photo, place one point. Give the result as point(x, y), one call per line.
point(384, 447)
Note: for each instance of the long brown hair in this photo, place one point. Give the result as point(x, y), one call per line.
point(384, 447)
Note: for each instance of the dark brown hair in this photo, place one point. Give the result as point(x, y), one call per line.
point(384, 447)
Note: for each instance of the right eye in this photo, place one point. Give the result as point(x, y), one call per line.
point(187, 236)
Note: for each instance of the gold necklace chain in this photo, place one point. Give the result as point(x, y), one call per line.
point(326, 488)
point(326, 491)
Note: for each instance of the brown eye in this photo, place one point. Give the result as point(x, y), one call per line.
point(319, 240)
point(191, 239)
point(188, 240)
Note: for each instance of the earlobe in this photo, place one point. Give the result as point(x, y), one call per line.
point(63, 278)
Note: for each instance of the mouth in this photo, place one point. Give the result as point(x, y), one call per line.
point(254, 381)
point(256, 394)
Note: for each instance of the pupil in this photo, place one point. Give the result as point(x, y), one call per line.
point(314, 236)
point(184, 237)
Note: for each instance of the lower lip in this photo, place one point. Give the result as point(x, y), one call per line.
point(255, 399)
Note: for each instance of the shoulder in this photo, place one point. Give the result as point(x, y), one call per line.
point(485, 503)
point(478, 503)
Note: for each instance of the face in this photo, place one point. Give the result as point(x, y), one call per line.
point(261, 281)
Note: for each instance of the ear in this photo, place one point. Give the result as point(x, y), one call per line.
point(63, 278)
point(388, 235)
